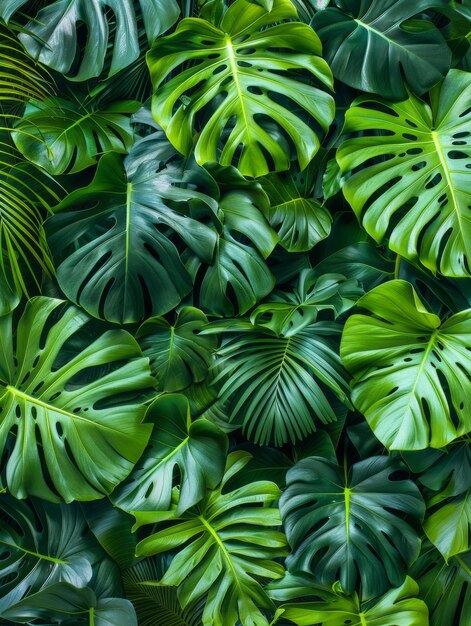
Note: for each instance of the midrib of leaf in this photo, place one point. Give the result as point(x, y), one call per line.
point(463, 565)
point(363, 621)
point(430, 345)
point(223, 549)
point(73, 125)
point(170, 455)
point(446, 171)
point(128, 238)
point(170, 349)
point(38, 555)
point(383, 36)
point(49, 407)
point(235, 75)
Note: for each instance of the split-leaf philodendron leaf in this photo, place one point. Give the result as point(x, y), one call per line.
point(233, 74)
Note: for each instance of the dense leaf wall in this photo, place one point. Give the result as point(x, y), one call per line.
point(235, 312)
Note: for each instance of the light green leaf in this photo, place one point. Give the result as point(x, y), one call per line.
point(411, 372)
point(230, 544)
point(69, 136)
point(329, 607)
point(71, 416)
point(412, 174)
point(299, 219)
point(235, 75)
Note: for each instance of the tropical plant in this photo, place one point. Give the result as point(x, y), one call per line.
point(413, 159)
point(408, 407)
point(235, 312)
point(70, 430)
point(236, 68)
point(231, 544)
point(324, 606)
point(337, 519)
point(198, 448)
point(361, 36)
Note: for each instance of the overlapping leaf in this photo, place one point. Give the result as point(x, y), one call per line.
point(351, 523)
point(239, 81)
point(407, 176)
point(70, 417)
point(225, 546)
point(411, 371)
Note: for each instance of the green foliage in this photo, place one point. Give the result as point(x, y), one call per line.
point(338, 521)
point(111, 272)
point(424, 401)
point(68, 136)
point(198, 448)
point(369, 46)
point(52, 37)
point(235, 297)
point(421, 156)
point(330, 607)
point(178, 355)
point(70, 416)
point(238, 76)
point(230, 544)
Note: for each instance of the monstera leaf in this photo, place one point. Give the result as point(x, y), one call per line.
point(288, 313)
point(445, 587)
point(244, 72)
point(352, 524)
point(116, 259)
point(70, 416)
point(67, 136)
point(330, 607)
point(52, 37)
point(299, 219)
point(178, 355)
point(41, 544)
point(62, 603)
point(238, 276)
point(412, 172)
point(369, 47)
point(411, 372)
point(447, 476)
point(275, 385)
point(197, 448)
point(229, 543)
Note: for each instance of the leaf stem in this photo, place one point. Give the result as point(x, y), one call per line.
point(397, 266)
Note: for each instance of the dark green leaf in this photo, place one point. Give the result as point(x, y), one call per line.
point(368, 48)
point(352, 523)
point(178, 355)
